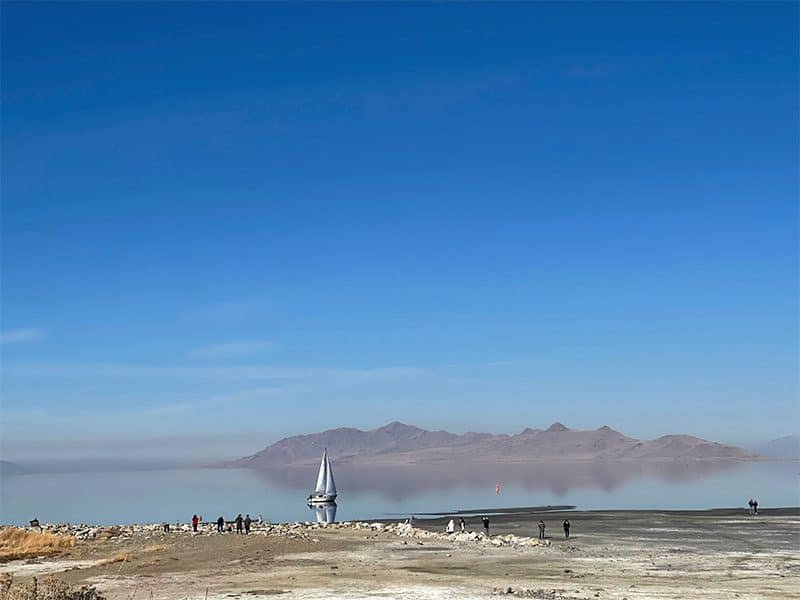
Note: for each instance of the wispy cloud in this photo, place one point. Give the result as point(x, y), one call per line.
point(264, 386)
point(230, 350)
point(22, 335)
point(209, 372)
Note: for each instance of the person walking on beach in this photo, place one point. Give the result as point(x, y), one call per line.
point(750, 504)
point(566, 529)
point(755, 507)
point(221, 525)
point(247, 521)
point(541, 530)
point(239, 523)
point(485, 524)
point(463, 525)
point(451, 527)
point(195, 521)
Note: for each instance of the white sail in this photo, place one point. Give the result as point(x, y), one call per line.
point(322, 478)
point(330, 485)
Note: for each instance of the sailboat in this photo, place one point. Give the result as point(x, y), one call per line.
point(326, 488)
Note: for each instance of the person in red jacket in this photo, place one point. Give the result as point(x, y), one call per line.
point(195, 521)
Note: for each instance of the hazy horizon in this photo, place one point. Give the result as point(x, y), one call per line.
point(194, 449)
point(221, 227)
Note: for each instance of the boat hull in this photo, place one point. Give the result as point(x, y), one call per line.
point(322, 498)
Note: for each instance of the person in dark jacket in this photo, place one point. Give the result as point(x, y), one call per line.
point(566, 528)
point(221, 525)
point(239, 522)
point(485, 524)
point(541, 530)
point(195, 521)
point(463, 524)
point(247, 522)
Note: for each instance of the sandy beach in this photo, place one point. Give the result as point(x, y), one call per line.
point(616, 555)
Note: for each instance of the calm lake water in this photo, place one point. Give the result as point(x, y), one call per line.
point(372, 492)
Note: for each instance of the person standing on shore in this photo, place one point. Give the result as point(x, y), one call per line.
point(195, 521)
point(221, 525)
point(566, 529)
point(247, 521)
point(755, 507)
point(485, 524)
point(451, 527)
point(541, 530)
point(750, 504)
point(463, 525)
point(239, 523)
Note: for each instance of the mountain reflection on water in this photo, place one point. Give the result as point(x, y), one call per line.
point(153, 496)
point(399, 482)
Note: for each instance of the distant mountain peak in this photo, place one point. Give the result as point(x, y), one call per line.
point(528, 431)
point(783, 447)
point(398, 428)
point(557, 427)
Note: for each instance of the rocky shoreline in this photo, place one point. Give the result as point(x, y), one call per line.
point(295, 530)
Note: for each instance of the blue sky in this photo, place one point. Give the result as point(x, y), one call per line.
point(234, 222)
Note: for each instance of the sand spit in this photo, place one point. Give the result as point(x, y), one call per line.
point(615, 555)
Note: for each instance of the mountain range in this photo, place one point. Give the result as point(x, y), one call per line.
point(787, 447)
point(398, 443)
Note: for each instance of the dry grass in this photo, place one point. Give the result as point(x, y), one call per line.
point(19, 543)
point(123, 556)
point(154, 548)
point(49, 588)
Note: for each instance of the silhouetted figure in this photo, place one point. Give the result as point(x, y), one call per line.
point(195, 521)
point(35, 523)
point(239, 521)
point(485, 524)
point(463, 524)
point(166, 527)
point(541, 530)
point(755, 507)
point(750, 504)
point(566, 528)
point(221, 525)
point(247, 522)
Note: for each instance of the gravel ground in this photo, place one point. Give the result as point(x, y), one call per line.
point(632, 555)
